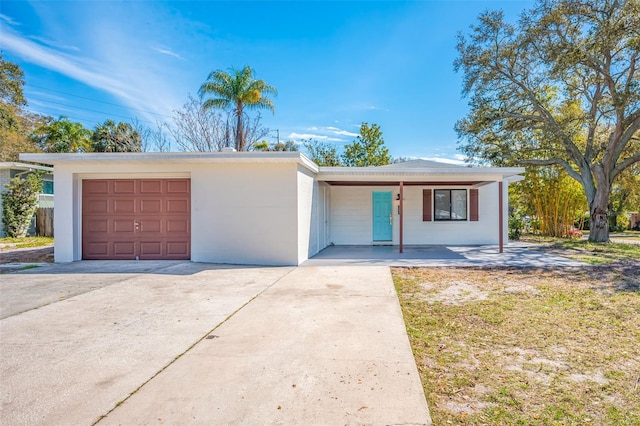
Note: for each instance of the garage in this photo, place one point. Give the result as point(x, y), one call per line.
point(145, 219)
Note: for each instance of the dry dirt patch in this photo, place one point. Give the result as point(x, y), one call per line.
point(526, 345)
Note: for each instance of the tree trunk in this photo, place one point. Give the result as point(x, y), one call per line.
point(239, 130)
point(598, 221)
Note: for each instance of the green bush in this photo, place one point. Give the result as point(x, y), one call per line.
point(516, 224)
point(19, 204)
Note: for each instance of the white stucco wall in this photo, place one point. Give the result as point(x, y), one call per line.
point(351, 217)
point(307, 214)
point(244, 214)
point(484, 231)
point(240, 213)
point(351, 214)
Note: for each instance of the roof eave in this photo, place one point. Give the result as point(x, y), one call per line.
point(173, 157)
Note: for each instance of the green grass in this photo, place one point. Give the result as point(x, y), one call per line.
point(526, 346)
point(26, 242)
point(588, 252)
point(27, 267)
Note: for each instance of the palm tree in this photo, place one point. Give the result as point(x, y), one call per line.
point(237, 90)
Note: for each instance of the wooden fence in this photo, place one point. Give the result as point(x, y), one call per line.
point(44, 222)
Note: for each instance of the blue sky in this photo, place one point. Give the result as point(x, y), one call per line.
point(335, 64)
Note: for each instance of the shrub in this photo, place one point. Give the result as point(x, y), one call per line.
point(19, 204)
point(516, 224)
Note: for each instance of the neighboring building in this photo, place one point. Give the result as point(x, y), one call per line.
point(11, 169)
point(266, 208)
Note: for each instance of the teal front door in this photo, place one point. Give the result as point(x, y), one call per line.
point(382, 216)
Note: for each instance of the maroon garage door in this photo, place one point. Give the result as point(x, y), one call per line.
point(136, 219)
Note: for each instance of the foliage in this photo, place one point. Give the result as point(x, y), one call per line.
point(276, 146)
point(322, 153)
point(11, 82)
point(236, 91)
point(368, 149)
point(15, 123)
point(19, 204)
point(553, 198)
point(560, 88)
point(62, 135)
point(516, 225)
point(112, 137)
point(625, 197)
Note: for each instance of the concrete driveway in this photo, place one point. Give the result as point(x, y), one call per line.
point(187, 343)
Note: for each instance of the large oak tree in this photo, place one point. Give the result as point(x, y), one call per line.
point(561, 87)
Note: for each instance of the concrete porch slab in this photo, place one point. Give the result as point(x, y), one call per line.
point(515, 254)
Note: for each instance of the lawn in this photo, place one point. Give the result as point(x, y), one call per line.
point(526, 346)
point(7, 243)
point(585, 251)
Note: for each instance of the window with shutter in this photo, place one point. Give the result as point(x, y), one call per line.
point(473, 205)
point(426, 205)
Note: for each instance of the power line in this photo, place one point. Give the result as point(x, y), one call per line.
point(90, 110)
point(96, 100)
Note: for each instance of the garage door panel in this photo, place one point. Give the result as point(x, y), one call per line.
point(124, 187)
point(95, 187)
point(178, 248)
point(124, 206)
point(177, 226)
point(151, 186)
point(98, 225)
point(150, 206)
point(177, 206)
point(150, 248)
point(148, 226)
point(121, 226)
point(96, 206)
point(161, 208)
point(97, 248)
point(178, 186)
point(124, 248)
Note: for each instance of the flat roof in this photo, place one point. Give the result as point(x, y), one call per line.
point(174, 157)
point(413, 171)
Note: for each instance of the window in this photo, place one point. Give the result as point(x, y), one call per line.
point(47, 187)
point(450, 204)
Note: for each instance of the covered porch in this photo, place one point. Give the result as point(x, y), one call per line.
point(417, 203)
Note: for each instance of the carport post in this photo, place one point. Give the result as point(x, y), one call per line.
point(500, 217)
point(401, 212)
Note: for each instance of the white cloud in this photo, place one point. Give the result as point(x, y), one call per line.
point(53, 44)
point(324, 138)
point(138, 91)
point(168, 52)
point(375, 108)
point(8, 20)
point(337, 131)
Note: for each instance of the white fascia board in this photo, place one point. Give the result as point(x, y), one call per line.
point(463, 173)
point(172, 158)
point(516, 178)
point(24, 166)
